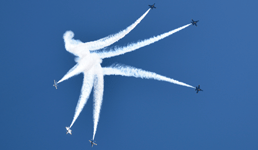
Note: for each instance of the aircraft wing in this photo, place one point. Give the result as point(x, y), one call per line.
point(94, 143)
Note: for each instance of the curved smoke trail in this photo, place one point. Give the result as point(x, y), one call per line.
point(79, 48)
point(134, 46)
point(138, 73)
point(106, 41)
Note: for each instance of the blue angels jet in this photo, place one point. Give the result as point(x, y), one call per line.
point(194, 22)
point(197, 89)
point(68, 130)
point(55, 84)
point(92, 143)
point(152, 6)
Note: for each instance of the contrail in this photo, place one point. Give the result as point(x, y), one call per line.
point(85, 93)
point(72, 72)
point(134, 46)
point(106, 41)
point(98, 96)
point(138, 73)
point(79, 48)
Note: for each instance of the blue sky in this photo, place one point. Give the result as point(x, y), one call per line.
point(220, 55)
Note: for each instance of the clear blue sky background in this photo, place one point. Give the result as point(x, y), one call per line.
point(220, 55)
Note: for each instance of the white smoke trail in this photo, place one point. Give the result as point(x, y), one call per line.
point(98, 96)
point(134, 46)
point(106, 41)
point(138, 73)
point(72, 72)
point(79, 48)
point(85, 93)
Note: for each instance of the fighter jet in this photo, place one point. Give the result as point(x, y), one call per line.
point(152, 6)
point(197, 89)
point(68, 130)
point(194, 22)
point(55, 84)
point(92, 143)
